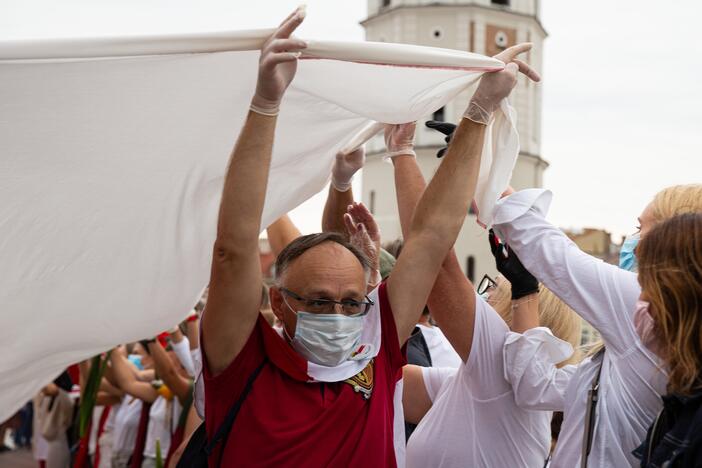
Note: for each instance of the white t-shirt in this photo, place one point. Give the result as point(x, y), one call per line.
point(441, 352)
point(126, 425)
point(163, 419)
point(474, 420)
point(631, 381)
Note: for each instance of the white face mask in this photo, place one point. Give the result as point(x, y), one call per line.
point(326, 339)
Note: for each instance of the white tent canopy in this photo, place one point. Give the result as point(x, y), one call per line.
point(113, 152)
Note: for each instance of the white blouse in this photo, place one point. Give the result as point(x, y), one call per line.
point(474, 420)
point(631, 381)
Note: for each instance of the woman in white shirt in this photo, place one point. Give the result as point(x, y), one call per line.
point(631, 380)
point(468, 415)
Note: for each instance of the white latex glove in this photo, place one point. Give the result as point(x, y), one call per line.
point(277, 65)
point(345, 166)
point(496, 86)
point(399, 140)
point(364, 233)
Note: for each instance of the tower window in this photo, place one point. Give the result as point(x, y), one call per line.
point(371, 202)
point(436, 34)
point(500, 2)
point(386, 3)
point(470, 268)
point(438, 115)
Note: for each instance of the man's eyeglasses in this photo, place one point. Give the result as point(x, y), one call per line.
point(486, 284)
point(328, 306)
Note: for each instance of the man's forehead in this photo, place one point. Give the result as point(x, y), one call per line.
point(323, 267)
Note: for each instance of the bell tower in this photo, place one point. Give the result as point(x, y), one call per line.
point(484, 27)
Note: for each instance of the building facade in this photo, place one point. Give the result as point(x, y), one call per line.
point(484, 27)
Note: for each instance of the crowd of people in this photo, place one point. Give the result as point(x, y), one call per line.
point(360, 353)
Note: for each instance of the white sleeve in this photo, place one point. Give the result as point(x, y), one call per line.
point(182, 352)
point(434, 378)
point(603, 294)
point(483, 372)
point(530, 367)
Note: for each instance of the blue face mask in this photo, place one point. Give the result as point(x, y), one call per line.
point(136, 360)
point(627, 255)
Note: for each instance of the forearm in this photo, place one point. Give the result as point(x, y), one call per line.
point(335, 208)
point(128, 382)
point(409, 186)
point(444, 204)
point(525, 313)
point(192, 328)
point(167, 372)
point(281, 233)
point(451, 300)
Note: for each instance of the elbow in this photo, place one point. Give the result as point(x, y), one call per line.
point(227, 251)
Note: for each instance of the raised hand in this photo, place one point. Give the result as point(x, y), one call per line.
point(278, 64)
point(399, 139)
point(345, 166)
point(508, 264)
point(496, 86)
point(363, 231)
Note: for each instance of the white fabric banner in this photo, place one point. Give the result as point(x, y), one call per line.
point(112, 163)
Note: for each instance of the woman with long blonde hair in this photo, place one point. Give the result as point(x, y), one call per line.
point(614, 395)
point(668, 319)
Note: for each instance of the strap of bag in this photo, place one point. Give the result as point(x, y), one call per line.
point(592, 397)
point(226, 426)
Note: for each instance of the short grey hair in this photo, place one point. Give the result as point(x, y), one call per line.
point(304, 243)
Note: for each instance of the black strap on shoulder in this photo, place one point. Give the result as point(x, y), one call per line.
point(591, 411)
point(226, 426)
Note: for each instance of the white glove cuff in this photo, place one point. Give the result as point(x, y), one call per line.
point(341, 186)
point(477, 113)
point(264, 111)
point(263, 106)
point(391, 154)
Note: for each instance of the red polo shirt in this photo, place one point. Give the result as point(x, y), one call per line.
point(286, 421)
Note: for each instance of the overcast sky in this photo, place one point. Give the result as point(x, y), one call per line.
point(622, 99)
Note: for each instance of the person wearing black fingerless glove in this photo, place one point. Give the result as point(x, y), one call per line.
point(508, 264)
point(447, 129)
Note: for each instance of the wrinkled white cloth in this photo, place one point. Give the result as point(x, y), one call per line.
point(440, 349)
point(530, 367)
point(474, 420)
point(631, 382)
point(113, 157)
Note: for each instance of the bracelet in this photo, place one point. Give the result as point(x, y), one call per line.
point(517, 304)
point(263, 111)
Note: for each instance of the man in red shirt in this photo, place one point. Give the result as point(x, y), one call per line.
point(325, 394)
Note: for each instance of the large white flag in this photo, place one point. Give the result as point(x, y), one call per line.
point(112, 156)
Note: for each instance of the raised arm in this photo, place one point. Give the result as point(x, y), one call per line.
point(444, 204)
point(602, 294)
point(235, 282)
point(281, 233)
point(340, 192)
point(451, 301)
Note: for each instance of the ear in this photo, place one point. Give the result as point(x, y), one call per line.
point(281, 311)
point(278, 306)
